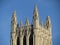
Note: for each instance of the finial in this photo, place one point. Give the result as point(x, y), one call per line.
point(35, 7)
point(48, 19)
point(14, 13)
point(27, 22)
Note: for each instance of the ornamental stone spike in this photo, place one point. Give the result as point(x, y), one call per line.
point(14, 19)
point(27, 22)
point(48, 23)
point(35, 11)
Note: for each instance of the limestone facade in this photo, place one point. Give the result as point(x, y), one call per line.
point(31, 34)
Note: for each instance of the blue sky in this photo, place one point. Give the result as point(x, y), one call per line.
point(24, 8)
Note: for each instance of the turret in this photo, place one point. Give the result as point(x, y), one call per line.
point(49, 29)
point(14, 29)
point(48, 23)
point(36, 34)
point(35, 18)
point(27, 26)
point(14, 22)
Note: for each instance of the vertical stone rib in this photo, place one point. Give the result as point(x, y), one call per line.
point(21, 40)
point(21, 34)
point(27, 40)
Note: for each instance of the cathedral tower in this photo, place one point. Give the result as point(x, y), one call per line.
point(31, 34)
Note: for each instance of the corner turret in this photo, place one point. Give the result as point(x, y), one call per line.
point(14, 22)
point(48, 23)
point(14, 29)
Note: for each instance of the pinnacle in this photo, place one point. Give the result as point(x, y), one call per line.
point(48, 18)
point(14, 13)
point(35, 7)
point(35, 11)
point(27, 22)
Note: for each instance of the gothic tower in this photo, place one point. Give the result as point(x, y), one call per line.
point(31, 34)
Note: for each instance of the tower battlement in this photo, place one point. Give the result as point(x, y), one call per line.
point(31, 34)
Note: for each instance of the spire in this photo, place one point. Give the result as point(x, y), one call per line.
point(48, 22)
point(27, 22)
point(14, 13)
point(14, 22)
point(35, 18)
point(14, 19)
point(35, 11)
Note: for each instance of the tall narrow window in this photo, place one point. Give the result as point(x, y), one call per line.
point(24, 40)
point(18, 42)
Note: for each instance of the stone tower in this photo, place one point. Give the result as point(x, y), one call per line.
point(31, 34)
